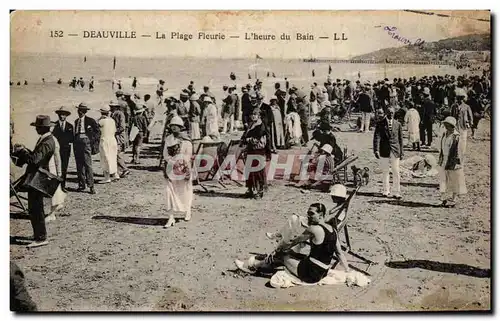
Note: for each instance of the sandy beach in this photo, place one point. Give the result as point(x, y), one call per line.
point(109, 252)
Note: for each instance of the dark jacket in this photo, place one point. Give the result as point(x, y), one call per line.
point(194, 111)
point(64, 136)
point(230, 104)
point(453, 157)
point(246, 104)
point(428, 110)
point(121, 132)
point(41, 154)
point(92, 131)
point(387, 141)
point(365, 103)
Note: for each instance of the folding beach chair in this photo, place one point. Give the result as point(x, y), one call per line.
point(14, 192)
point(213, 150)
point(342, 226)
point(238, 153)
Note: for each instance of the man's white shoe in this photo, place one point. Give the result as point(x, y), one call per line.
point(37, 244)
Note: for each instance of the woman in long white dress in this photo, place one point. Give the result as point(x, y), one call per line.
point(452, 178)
point(108, 147)
point(177, 154)
point(412, 119)
point(210, 118)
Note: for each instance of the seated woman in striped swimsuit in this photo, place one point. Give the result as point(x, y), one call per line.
point(311, 268)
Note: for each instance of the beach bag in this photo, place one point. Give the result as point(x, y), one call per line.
point(41, 181)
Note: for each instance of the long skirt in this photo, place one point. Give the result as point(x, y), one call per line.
point(179, 195)
point(452, 181)
point(108, 150)
point(257, 181)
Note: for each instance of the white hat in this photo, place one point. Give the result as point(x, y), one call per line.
point(105, 109)
point(273, 97)
point(327, 148)
point(450, 120)
point(171, 141)
point(327, 103)
point(176, 120)
point(140, 110)
point(207, 99)
point(460, 92)
point(194, 97)
point(335, 102)
point(338, 190)
point(427, 91)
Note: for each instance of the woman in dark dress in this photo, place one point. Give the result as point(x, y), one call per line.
point(256, 139)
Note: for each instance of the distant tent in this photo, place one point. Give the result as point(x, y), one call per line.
point(258, 57)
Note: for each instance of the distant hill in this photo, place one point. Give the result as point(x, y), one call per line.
point(438, 50)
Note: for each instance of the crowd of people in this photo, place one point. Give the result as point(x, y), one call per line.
point(268, 125)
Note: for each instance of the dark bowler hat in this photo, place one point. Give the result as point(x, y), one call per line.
point(42, 121)
point(62, 110)
point(83, 106)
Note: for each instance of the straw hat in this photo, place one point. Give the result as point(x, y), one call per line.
point(207, 99)
point(113, 103)
point(194, 97)
point(83, 106)
point(427, 91)
point(176, 120)
point(460, 92)
point(450, 121)
point(63, 111)
point(338, 190)
point(327, 103)
point(42, 121)
point(105, 109)
point(327, 148)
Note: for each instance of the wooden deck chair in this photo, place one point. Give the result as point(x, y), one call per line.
point(208, 177)
point(343, 226)
point(14, 192)
point(239, 153)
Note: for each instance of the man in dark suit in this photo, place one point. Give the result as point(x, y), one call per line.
point(427, 115)
point(388, 144)
point(64, 133)
point(87, 133)
point(38, 158)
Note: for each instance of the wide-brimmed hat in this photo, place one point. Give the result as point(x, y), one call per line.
point(338, 190)
point(184, 94)
point(176, 120)
point(194, 97)
point(83, 106)
point(42, 121)
point(119, 93)
point(327, 148)
point(327, 103)
point(427, 91)
point(62, 110)
point(105, 109)
point(140, 110)
point(207, 99)
point(273, 97)
point(451, 121)
point(335, 102)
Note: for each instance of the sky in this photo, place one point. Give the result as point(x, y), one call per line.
point(364, 30)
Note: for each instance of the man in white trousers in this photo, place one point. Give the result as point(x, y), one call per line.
point(388, 145)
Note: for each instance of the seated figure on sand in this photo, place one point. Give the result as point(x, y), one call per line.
point(319, 230)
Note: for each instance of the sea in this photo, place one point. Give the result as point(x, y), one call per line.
point(38, 97)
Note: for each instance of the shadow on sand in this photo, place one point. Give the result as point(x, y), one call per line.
point(20, 240)
point(132, 220)
point(462, 269)
point(404, 203)
point(220, 194)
